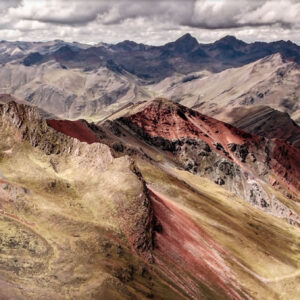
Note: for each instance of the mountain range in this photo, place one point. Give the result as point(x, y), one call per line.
point(131, 171)
point(73, 80)
point(158, 201)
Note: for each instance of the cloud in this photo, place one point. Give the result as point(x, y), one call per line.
point(284, 12)
point(148, 21)
point(207, 14)
point(213, 14)
point(59, 11)
point(4, 5)
point(79, 12)
point(164, 10)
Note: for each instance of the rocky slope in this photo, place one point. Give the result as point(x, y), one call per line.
point(114, 211)
point(271, 81)
point(71, 93)
point(245, 164)
point(268, 122)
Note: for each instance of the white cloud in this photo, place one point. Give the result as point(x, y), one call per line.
point(152, 22)
point(271, 12)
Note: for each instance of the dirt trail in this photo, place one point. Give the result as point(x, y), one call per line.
point(2, 176)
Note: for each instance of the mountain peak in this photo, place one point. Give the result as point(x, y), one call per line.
point(230, 40)
point(185, 43)
point(128, 43)
point(186, 38)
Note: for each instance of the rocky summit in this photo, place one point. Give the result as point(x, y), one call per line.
point(156, 201)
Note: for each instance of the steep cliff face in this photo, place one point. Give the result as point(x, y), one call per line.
point(243, 163)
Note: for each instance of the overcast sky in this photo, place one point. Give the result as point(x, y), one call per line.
point(149, 21)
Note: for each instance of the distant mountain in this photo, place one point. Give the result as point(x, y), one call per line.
point(154, 63)
point(271, 81)
point(73, 80)
point(106, 193)
point(18, 51)
point(185, 44)
point(128, 46)
point(267, 122)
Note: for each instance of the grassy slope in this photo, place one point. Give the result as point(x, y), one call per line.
point(264, 249)
point(76, 246)
point(60, 237)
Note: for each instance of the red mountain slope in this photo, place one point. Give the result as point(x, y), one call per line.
point(75, 129)
point(168, 121)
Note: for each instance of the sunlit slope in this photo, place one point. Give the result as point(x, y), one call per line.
point(260, 252)
point(270, 81)
point(255, 254)
point(95, 93)
point(71, 93)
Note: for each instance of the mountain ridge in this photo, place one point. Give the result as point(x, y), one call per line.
point(228, 51)
point(233, 147)
point(164, 231)
point(78, 81)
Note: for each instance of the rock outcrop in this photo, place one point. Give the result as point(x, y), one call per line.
point(33, 129)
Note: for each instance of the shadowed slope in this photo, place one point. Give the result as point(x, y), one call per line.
point(268, 122)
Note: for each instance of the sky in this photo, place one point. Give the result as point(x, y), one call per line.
point(149, 21)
